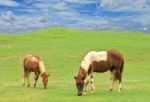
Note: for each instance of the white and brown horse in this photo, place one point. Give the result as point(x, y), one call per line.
point(34, 64)
point(100, 62)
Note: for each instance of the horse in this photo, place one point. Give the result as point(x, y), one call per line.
point(109, 60)
point(34, 64)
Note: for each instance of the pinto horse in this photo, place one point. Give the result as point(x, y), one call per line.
point(110, 60)
point(34, 64)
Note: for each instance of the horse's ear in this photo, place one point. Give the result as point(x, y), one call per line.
point(75, 77)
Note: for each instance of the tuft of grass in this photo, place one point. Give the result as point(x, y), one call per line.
point(62, 51)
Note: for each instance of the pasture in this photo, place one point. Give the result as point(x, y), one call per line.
point(62, 51)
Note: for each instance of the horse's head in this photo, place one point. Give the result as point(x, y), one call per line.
point(45, 79)
point(80, 85)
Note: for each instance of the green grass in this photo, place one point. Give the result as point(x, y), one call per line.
point(62, 51)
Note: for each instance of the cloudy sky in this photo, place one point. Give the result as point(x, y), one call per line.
point(19, 16)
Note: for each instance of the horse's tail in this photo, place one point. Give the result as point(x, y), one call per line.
point(118, 74)
point(121, 67)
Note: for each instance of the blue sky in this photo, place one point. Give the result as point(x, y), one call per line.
point(19, 16)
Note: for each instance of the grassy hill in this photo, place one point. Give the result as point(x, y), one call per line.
point(62, 51)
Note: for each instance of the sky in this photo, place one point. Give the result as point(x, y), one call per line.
point(20, 16)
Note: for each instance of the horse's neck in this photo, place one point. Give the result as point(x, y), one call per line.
point(85, 64)
point(88, 59)
point(82, 73)
point(42, 67)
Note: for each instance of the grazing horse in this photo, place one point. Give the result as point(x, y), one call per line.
point(34, 64)
point(110, 60)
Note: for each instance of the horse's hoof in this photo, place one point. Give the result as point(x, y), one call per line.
point(79, 94)
point(84, 93)
point(34, 85)
point(28, 85)
point(23, 84)
point(93, 89)
point(120, 90)
point(110, 90)
point(85, 90)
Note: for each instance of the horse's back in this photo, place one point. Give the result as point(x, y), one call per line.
point(96, 56)
point(100, 56)
point(93, 56)
point(31, 62)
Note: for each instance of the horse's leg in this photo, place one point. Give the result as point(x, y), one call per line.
point(36, 78)
point(92, 84)
point(85, 89)
point(91, 79)
point(120, 87)
point(113, 80)
point(120, 79)
point(112, 85)
point(89, 82)
point(28, 73)
point(118, 76)
point(86, 82)
point(24, 76)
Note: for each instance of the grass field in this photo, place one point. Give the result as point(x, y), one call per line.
point(62, 51)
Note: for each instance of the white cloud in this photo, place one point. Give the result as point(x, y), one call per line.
point(10, 3)
point(8, 17)
point(52, 7)
point(42, 5)
point(12, 23)
point(37, 14)
point(60, 6)
point(129, 5)
point(109, 3)
point(142, 19)
point(138, 21)
point(27, 10)
point(81, 1)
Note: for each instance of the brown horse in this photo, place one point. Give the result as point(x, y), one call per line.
point(100, 62)
point(34, 64)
